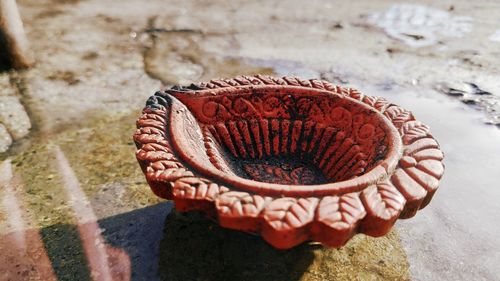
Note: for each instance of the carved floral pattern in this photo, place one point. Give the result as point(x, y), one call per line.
point(285, 221)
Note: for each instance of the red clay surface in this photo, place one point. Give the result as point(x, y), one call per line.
point(293, 160)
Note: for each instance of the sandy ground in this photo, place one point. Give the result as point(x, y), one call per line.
point(98, 61)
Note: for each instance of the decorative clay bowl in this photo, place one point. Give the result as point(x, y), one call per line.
point(292, 160)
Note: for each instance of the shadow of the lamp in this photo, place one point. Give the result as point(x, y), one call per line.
point(194, 248)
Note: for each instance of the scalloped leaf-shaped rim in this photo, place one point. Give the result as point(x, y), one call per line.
point(286, 221)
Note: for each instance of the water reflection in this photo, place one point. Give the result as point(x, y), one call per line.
point(23, 256)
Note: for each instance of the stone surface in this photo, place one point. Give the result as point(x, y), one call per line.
point(373, 162)
point(14, 120)
point(5, 139)
point(14, 116)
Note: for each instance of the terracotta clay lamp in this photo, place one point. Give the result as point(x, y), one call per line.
point(292, 160)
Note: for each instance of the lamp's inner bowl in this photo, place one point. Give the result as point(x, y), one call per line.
point(321, 154)
point(292, 137)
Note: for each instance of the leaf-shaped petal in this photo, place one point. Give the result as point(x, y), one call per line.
point(193, 193)
point(379, 103)
point(337, 219)
point(432, 167)
point(240, 210)
point(431, 153)
point(419, 145)
point(147, 122)
point(352, 93)
point(383, 204)
point(426, 180)
point(286, 221)
point(152, 152)
point(169, 175)
point(156, 115)
point(421, 174)
point(165, 164)
point(413, 130)
point(413, 192)
point(398, 115)
point(147, 135)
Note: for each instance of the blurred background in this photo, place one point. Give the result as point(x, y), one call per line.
point(74, 204)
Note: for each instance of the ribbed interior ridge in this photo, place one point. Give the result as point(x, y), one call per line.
point(329, 149)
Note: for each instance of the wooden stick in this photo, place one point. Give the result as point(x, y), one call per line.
point(14, 47)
